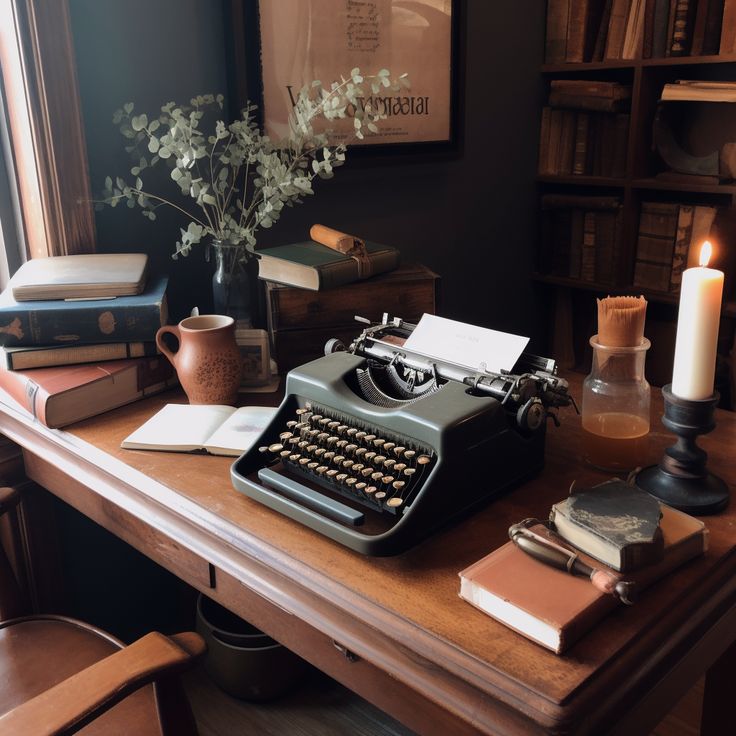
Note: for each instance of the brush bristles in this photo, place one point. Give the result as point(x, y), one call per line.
point(621, 320)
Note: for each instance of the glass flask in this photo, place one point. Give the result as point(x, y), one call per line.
point(615, 411)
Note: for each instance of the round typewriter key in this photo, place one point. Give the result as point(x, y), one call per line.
point(351, 448)
point(378, 441)
point(331, 439)
point(333, 425)
point(303, 460)
point(360, 451)
point(277, 447)
point(312, 465)
point(379, 459)
point(371, 489)
point(367, 471)
point(264, 448)
point(409, 454)
point(340, 477)
point(299, 412)
point(358, 467)
point(351, 481)
point(292, 423)
point(319, 451)
point(360, 486)
point(338, 459)
point(369, 438)
point(398, 484)
point(394, 502)
point(360, 435)
point(380, 495)
point(293, 441)
point(331, 473)
point(311, 432)
point(321, 469)
point(368, 457)
point(410, 471)
point(398, 450)
point(325, 421)
point(302, 443)
point(286, 435)
point(399, 467)
point(389, 463)
point(328, 456)
point(377, 475)
point(352, 431)
point(322, 436)
point(388, 446)
point(285, 453)
point(341, 443)
point(315, 418)
point(423, 459)
point(348, 463)
point(341, 428)
point(311, 448)
point(294, 457)
point(387, 479)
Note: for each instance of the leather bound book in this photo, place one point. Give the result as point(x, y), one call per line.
point(21, 358)
point(556, 37)
point(728, 28)
point(682, 28)
point(555, 609)
point(682, 245)
point(655, 244)
point(56, 322)
point(310, 265)
point(63, 395)
point(583, 22)
point(698, 40)
point(617, 29)
point(661, 25)
point(713, 28)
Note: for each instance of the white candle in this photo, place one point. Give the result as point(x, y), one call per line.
point(697, 330)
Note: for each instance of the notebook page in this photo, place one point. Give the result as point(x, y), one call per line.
point(240, 432)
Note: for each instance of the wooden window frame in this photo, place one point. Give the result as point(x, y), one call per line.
point(44, 113)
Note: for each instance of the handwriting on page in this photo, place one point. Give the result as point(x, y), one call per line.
point(363, 25)
point(466, 345)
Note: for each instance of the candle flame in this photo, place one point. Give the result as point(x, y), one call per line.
point(706, 250)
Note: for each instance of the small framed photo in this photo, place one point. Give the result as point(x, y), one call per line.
point(290, 43)
point(256, 357)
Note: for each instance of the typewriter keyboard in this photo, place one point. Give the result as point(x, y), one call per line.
point(362, 463)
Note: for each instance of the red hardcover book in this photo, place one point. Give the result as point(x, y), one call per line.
point(66, 394)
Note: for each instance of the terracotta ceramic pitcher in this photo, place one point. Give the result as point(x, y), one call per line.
point(208, 360)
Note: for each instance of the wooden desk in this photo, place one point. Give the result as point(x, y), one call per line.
point(394, 629)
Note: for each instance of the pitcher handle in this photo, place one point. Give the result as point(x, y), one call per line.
point(172, 330)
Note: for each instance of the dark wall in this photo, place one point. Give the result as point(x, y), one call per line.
point(468, 217)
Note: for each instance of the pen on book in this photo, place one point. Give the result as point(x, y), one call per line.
point(555, 555)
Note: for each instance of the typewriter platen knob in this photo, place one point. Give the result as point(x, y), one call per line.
point(531, 415)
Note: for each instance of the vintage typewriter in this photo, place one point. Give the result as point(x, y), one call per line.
point(377, 446)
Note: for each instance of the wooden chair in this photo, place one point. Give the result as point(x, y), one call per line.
point(60, 676)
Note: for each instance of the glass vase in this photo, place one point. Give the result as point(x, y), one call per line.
point(615, 412)
point(231, 287)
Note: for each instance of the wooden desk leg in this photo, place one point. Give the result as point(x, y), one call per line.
point(718, 694)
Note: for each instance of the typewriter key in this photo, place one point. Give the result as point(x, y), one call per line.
point(301, 445)
point(325, 421)
point(370, 490)
point(380, 495)
point(394, 502)
point(285, 453)
point(360, 451)
point(369, 438)
point(277, 447)
point(379, 459)
point(387, 479)
point(331, 473)
point(352, 431)
point(423, 459)
point(410, 471)
point(368, 457)
point(321, 469)
point(341, 428)
point(338, 459)
point(389, 463)
point(360, 486)
point(398, 450)
point(360, 436)
point(312, 465)
point(286, 435)
point(292, 423)
point(319, 451)
point(388, 446)
point(358, 467)
point(377, 475)
point(348, 463)
point(341, 443)
point(367, 471)
point(299, 412)
point(293, 441)
point(328, 456)
point(399, 467)
point(315, 418)
point(294, 457)
point(409, 454)
point(332, 426)
point(303, 460)
point(340, 477)
point(398, 485)
point(351, 448)
point(332, 439)
point(378, 441)
point(322, 436)
point(311, 448)
point(351, 481)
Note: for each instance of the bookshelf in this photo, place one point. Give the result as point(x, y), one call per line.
point(573, 298)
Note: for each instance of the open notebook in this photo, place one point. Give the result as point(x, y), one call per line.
point(218, 430)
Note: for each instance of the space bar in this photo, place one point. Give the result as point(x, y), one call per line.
point(313, 499)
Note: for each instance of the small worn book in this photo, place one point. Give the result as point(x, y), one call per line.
point(311, 265)
point(46, 356)
point(554, 608)
point(210, 428)
point(84, 276)
point(614, 522)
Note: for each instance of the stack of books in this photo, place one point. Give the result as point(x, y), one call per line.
point(77, 335)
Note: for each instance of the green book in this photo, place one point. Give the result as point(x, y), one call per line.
point(313, 266)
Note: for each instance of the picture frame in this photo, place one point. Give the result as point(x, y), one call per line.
point(272, 56)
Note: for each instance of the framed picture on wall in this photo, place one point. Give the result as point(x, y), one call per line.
point(289, 43)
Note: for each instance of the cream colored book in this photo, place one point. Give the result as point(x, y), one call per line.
point(84, 276)
point(218, 430)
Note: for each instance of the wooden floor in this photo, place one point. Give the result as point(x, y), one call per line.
point(322, 707)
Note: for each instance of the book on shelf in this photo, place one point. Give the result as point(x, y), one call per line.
point(310, 265)
point(728, 28)
point(55, 322)
point(21, 358)
point(579, 236)
point(633, 41)
point(584, 19)
point(682, 28)
point(213, 429)
point(554, 608)
point(617, 29)
point(683, 234)
point(83, 276)
point(66, 394)
point(555, 48)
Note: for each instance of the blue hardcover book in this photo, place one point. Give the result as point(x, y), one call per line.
point(59, 322)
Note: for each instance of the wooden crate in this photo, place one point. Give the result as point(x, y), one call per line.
point(300, 321)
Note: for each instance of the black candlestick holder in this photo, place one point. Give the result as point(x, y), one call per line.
point(681, 478)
